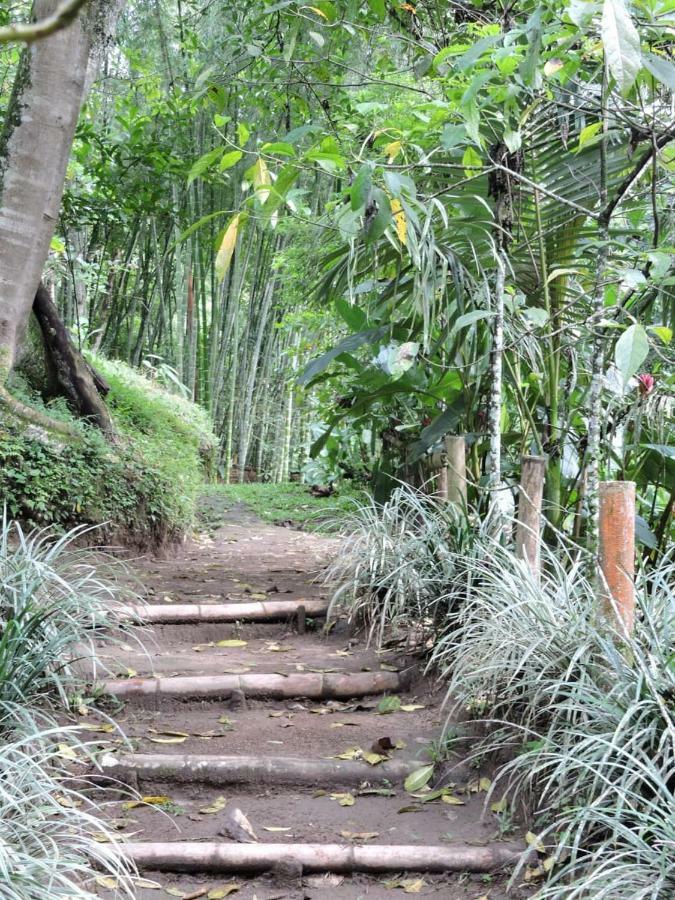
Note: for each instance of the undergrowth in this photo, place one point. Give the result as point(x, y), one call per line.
point(142, 490)
point(53, 603)
point(288, 503)
point(578, 716)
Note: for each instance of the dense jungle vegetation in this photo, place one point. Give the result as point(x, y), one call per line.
point(302, 244)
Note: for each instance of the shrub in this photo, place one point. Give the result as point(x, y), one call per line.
point(53, 604)
point(402, 562)
point(588, 712)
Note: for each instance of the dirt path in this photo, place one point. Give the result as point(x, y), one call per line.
point(246, 561)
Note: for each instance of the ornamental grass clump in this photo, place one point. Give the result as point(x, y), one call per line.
point(584, 715)
point(400, 566)
point(55, 608)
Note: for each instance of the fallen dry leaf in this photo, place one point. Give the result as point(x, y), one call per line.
point(159, 800)
point(217, 806)
point(168, 740)
point(327, 880)
point(343, 799)
point(276, 828)
point(225, 891)
point(407, 885)
point(359, 835)
point(231, 642)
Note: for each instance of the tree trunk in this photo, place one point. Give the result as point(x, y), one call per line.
point(35, 147)
point(76, 379)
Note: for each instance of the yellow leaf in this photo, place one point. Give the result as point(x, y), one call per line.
point(532, 840)
point(150, 801)
point(106, 881)
point(225, 891)
point(349, 753)
point(411, 707)
point(392, 150)
point(400, 220)
point(343, 799)
point(452, 801)
point(233, 642)
point(318, 11)
point(147, 884)
point(359, 835)
point(373, 758)
point(276, 828)
point(67, 802)
point(66, 752)
point(217, 806)
point(131, 673)
point(105, 727)
point(499, 806)
point(227, 245)
point(170, 733)
point(167, 740)
point(261, 179)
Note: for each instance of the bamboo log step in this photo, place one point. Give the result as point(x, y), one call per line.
point(310, 685)
point(185, 856)
point(250, 611)
point(191, 768)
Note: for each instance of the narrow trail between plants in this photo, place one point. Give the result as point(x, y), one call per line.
point(244, 704)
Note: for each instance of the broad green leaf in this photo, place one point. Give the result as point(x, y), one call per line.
point(378, 7)
point(419, 778)
point(588, 133)
point(661, 68)
point(279, 147)
point(279, 190)
point(349, 344)
point(361, 187)
point(469, 318)
point(230, 159)
point(243, 133)
point(622, 44)
point(388, 705)
point(441, 425)
point(631, 351)
point(377, 224)
point(663, 332)
point(471, 160)
point(203, 163)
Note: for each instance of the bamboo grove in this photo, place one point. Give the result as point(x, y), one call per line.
point(347, 229)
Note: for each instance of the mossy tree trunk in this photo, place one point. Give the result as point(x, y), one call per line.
point(35, 144)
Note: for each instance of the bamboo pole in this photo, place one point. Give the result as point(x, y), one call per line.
point(198, 613)
point(617, 551)
point(313, 685)
point(455, 449)
point(193, 768)
point(530, 494)
point(185, 856)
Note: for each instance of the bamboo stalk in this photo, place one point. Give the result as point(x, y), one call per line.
point(528, 529)
point(455, 449)
point(313, 685)
point(617, 551)
point(192, 768)
point(185, 856)
point(254, 611)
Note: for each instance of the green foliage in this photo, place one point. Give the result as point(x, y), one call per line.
point(289, 503)
point(585, 713)
point(53, 603)
point(142, 490)
point(403, 562)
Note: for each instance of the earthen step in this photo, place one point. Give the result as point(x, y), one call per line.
point(253, 611)
point(310, 685)
point(207, 857)
point(215, 770)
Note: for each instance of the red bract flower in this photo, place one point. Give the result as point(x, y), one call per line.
point(645, 383)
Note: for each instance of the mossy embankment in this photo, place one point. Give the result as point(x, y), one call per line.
point(141, 491)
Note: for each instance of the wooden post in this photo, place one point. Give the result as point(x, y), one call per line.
point(442, 483)
point(617, 550)
point(455, 449)
point(530, 493)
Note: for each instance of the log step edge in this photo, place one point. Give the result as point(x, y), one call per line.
point(198, 857)
point(310, 685)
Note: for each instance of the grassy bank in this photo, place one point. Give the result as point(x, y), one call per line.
point(141, 491)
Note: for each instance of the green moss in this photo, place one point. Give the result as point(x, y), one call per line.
point(142, 491)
